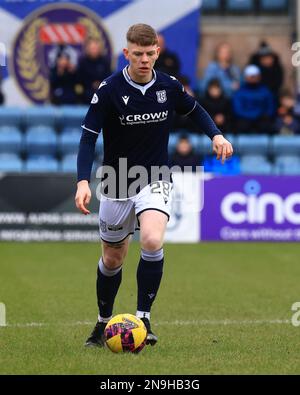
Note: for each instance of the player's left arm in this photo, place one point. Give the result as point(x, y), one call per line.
point(221, 147)
point(186, 105)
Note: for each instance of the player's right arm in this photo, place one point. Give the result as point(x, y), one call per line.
point(90, 130)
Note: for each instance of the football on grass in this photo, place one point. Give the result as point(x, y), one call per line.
point(125, 333)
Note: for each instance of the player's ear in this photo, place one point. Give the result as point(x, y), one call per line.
point(125, 52)
point(157, 51)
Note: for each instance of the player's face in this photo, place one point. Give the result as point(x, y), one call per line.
point(141, 60)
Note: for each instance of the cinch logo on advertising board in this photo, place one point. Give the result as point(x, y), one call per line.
point(251, 208)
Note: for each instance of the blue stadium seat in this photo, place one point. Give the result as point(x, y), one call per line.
point(205, 145)
point(196, 141)
point(285, 145)
point(211, 5)
point(10, 139)
point(230, 167)
point(72, 116)
point(273, 5)
point(10, 163)
point(256, 164)
point(287, 165)
point(41, 140)
point(69, 163)
point(41, 164)
point(173, 139)
point(10, 116)
point(240, 5)
point(41, 115)
point(253, 144)
point(68, 140)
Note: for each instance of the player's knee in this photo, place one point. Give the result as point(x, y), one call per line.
point(151, 242)
point(113, 257)
point(113, 260)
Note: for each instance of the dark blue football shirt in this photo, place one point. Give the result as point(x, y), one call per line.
point(136, 120)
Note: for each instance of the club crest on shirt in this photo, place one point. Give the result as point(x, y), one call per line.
point(161, 96)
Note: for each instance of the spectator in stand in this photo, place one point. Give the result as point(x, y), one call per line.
point(287, 103)
point(63, 79)
point(272, 73)
point(93, 68)
point(253, 104)
point(168, 62)
point(223, 69)
point(184, 154)
point(287, 124)
point(217, 105)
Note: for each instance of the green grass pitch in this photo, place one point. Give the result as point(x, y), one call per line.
point(221, 309)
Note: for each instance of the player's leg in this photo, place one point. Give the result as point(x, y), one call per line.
point(152, 206)
point(117, 221)
point(150, 269)
point(109, 276)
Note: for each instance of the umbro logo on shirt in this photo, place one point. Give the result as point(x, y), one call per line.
point(125, 99)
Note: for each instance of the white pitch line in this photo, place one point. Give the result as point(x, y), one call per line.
point(159, 323)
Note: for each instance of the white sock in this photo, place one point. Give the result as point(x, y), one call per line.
point(105, 320)
point(143, 314)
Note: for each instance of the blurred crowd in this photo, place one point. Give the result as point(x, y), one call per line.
point(247, 101)
point(74, 82)
point(241, 101)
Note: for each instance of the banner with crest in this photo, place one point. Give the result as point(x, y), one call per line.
point(31, 33)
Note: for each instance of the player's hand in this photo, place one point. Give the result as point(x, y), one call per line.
point(83, 196)
point(222, 148)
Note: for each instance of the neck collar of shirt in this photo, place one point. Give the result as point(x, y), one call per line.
point(142, 88)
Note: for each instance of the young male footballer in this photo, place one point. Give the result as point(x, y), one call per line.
point(134, 109)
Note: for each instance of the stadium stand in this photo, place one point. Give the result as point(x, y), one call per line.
point(273, 5)
point(173, 139)
point(260, 7)
point(69, 163)
point(42, 163)
point(11, 139)
point(287, 165)
point(68, 140)
point(282, 145)
point(46, 140)
point(40, 115)
point(10, 163)
point(252, 144)
point(231, 166)
point(240, 5)
point(41, 140)
point(10, 116)
point(256, 164)
point(211, 5)
point(71, 116)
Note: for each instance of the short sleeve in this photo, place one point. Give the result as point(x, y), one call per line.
point(185, 103)
point(97, 111)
